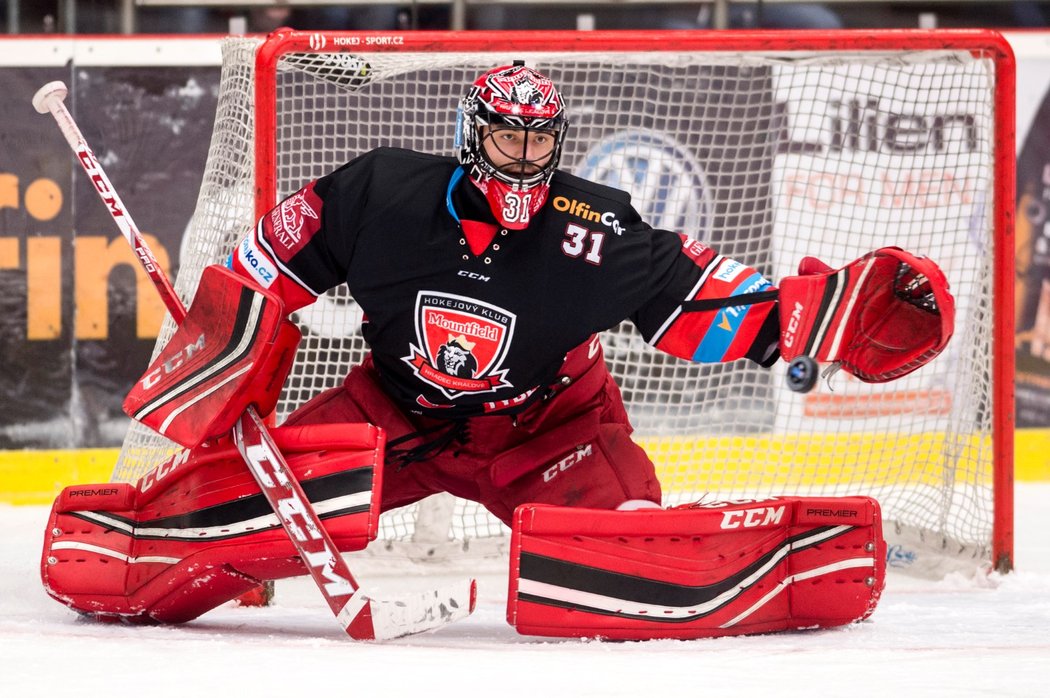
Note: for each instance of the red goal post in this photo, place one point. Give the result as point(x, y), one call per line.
point(772, 146)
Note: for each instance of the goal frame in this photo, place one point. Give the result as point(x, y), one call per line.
point(988, 43)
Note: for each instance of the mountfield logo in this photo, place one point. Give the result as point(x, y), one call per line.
point(461, 344)
point(666, 182)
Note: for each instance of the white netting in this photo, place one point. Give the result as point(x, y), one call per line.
point(768, 157)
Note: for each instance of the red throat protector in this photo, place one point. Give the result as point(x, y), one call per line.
point(513, 207)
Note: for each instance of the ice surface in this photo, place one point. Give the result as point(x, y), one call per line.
point(963, 636)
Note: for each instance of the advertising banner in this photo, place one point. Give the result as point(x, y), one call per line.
point(36, 268)
point(78, 318)
point(1032, 283)
point(877, 157)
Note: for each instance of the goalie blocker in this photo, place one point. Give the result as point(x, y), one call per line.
point(701, 570)
point(233, 350)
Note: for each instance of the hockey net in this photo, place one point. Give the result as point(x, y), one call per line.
point(768, 146)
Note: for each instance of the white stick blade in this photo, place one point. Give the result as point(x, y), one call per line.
point(417, 613)
point(52, 90)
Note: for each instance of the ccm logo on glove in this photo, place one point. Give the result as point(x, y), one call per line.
point(792, 327)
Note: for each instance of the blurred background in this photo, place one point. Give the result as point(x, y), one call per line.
point(220, 16)
point(78, 322)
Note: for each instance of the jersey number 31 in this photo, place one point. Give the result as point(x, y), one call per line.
point(580, 241)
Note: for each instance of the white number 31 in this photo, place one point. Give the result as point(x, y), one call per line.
point(578, 240)
point(516, 207)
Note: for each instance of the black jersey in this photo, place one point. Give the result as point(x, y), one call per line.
point(457, 334)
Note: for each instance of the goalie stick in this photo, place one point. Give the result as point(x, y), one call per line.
point(361, 616)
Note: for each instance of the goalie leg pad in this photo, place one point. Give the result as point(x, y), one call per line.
point(196, 532)
point(706, 570)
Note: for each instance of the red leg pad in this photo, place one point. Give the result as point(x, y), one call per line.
point(196, 531)
point(704, 570)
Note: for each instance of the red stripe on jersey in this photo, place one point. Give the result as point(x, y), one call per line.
point(697, 251)
point(682, 337)
point(478, 234)
point(686, 332)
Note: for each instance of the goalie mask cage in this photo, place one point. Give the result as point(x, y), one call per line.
point(770, 146)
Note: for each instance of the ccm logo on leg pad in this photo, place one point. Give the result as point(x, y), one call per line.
point(753, 518)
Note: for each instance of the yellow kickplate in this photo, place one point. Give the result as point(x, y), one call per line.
point(1032, 455)
point(36, 477)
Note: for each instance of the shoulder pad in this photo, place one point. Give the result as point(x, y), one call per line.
point(563, 181)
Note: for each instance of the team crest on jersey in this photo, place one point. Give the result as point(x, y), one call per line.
point(461, 344)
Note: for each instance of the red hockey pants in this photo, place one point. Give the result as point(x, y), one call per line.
point(572, 449)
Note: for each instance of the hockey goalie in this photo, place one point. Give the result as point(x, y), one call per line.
point(485, 281)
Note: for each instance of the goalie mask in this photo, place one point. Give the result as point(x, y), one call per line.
point(509, 134)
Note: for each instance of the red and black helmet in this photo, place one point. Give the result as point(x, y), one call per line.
point(517, 97)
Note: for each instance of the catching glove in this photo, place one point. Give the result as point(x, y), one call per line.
point(880, 317)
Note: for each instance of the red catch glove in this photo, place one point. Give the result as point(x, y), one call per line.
point(880, 317)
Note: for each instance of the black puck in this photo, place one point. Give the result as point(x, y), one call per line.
point(802, 374)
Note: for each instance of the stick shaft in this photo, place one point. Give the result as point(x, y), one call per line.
point(303, 526)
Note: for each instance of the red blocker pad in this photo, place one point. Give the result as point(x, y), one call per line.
point(882, 316)
point(704, 570)
point(196, 531)
point(234, 349)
